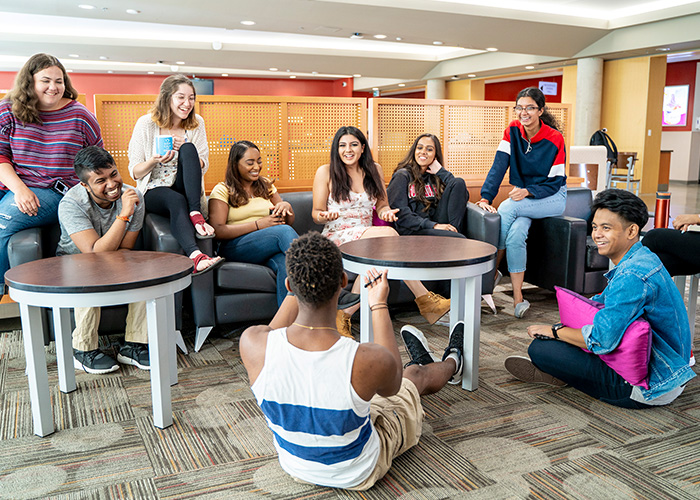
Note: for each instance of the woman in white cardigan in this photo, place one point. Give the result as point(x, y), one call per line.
point(171, 182)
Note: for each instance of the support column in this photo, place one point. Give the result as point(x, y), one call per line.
point(589, 96)
point(435, 89)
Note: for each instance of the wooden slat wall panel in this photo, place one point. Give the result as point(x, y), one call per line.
point(468, 130)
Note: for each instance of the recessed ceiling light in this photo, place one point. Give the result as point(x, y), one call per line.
point(663, 49)
point(104, 58)
point(471, 75)
point(151, 72)
point(529, 67)
point(402, 84)
point(357, 75)
point(69, 71)
point(375, 88)
point(73, 55)
point(180, 62)
point(292, 76)
point(437, 42)
point(110, 71)
point(398, 38)
point(380, 37)
point(248, 23)
point(133, 11)
point(86, 6)
point(491, 49)
point(314, 72)
point(224, 74)
point(273, 69)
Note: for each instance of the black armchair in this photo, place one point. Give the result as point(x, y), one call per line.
point(561, 252)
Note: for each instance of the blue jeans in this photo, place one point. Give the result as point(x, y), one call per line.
point(266, 246)
point(12, 220)
point(516, 218)
point(582, 370)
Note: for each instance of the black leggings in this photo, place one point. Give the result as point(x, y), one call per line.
point(679, 252)
point(450, 210)
point(183, 197)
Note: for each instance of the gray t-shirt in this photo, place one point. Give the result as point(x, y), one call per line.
point(77, 212)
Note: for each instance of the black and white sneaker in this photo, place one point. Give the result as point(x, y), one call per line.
point(134, 354)
point(417, 346)
point(95, 362)
point(456, 346)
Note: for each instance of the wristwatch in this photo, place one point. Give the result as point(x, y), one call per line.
point(555, 328)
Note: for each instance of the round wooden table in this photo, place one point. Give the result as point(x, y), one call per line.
point(96, 280)
point(462, 261)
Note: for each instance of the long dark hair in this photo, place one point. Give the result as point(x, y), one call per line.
point(162, 113)
point(536, 95)
point(237, 196)
point(340, 180)
point(410, 164)
point(23, 96)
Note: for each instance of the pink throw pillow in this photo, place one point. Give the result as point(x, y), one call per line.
point(630, 359)
point(376, 221)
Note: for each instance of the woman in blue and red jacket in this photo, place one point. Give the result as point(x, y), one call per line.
point(533, 149)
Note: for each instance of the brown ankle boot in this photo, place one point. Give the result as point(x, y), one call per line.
point(343, 324)
point(432, 306)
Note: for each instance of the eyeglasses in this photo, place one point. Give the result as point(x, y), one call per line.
point(528, 109)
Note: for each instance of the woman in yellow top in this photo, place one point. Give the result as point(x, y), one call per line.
point(249, 217)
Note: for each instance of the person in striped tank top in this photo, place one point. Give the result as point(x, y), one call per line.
point(42, 128)
point(341, 411)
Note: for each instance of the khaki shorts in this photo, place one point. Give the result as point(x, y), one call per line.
point(398, 421)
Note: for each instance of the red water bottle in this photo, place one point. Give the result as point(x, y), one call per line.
point(663, 203)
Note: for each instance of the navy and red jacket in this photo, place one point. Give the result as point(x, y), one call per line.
point(538, 165)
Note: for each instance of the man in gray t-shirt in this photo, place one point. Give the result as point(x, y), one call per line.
point(100, 214)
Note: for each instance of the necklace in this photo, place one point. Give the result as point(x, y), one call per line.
point(315, 327)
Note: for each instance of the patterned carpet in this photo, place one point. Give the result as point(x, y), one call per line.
point(505, 440)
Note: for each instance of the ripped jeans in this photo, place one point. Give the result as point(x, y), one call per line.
point(13, 221)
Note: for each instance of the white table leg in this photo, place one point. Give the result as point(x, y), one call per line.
point(64, 349)
point(172, 336)
point(472, 325)
point(38, 377)
point(159, 347)
point(457, 311)
point(366, 334)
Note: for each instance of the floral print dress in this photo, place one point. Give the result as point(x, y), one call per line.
point(354, 219)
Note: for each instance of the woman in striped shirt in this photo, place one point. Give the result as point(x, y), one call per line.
point(42, 128)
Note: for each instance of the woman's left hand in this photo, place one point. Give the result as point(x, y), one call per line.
point(434, 167)
point(388, 214)
point(177, 142)
point(282, 209)
point(517, 194)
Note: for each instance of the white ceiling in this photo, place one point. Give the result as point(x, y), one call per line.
point(311, 38)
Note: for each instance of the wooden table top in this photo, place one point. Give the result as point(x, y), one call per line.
point(418, 251)
point(98, 272)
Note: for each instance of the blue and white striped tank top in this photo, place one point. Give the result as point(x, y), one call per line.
point(322, 428)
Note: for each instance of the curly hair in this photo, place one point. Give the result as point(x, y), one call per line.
point(411, 165)
point(340, 180)
point(538, 96)
point(162, 113)
point(314, 268)
point(626, 205)
point(237, 196)
point(23, 96)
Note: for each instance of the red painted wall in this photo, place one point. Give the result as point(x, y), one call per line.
point(507, 91)
point(91, 84)
point(683, 73)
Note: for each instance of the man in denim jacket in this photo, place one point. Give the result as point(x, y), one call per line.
point(638, 286)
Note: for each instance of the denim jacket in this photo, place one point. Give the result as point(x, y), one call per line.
point(640, 286)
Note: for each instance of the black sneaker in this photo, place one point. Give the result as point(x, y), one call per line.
point(134, 354)
point(95, 362)
point(416, 345)
point(456, 345)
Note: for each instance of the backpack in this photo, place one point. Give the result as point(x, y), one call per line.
point(600, 138)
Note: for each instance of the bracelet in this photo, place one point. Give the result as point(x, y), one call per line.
point(379, 305)
point(484, 200)
point(121, 217)
point(257, 228)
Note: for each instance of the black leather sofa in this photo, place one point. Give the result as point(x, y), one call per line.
point(246, 293)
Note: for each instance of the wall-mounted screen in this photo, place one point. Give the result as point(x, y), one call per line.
point(675, 112)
